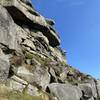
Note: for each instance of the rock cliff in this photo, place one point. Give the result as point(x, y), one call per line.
point(32, 64)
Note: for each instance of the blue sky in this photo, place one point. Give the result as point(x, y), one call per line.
point(78, 24)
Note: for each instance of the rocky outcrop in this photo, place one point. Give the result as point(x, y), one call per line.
point(24, 14)
point(32, 64)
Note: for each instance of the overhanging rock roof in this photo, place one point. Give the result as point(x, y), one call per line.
point(21, 12)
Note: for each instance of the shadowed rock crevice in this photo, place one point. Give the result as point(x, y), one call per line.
point(52, 79)
point(27, 2)
point(6, 49)
point(21, 19)
point(11, 72)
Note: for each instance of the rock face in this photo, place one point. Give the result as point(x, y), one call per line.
point(65, 91)
point(22, 12)
point(7, 34)
point(32, 64)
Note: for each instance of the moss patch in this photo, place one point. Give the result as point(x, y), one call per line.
point(29, 55)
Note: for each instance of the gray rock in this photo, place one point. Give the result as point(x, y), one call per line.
point(93, 87)
point(65, 91)
point(4, 67)
point(63, 76)
point(32, 90)
point(86, 90)
point(29, 43)
point(34, 62)
point(21, 34)
point(58, 67)
point(50, 22)
point(25, 74)
point(21, 12)
point(28, 2)
point(92, 84)
point(19, 80)
point(14, 85)
point(98, 87)
point(57, 53)
point(53, 75)
point(39, 76)
point(28, 61)
point(91, 99)
point(38, 34)
point(8, 35)
point(26, 28)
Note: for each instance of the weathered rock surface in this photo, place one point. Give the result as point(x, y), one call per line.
point(65, 91)
point(32, 64)
point(7, 30)
point(4, 67)
point(21, 12)
point(86, 90)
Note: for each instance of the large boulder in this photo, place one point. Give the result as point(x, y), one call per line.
point(65, 91)
point(37, 76)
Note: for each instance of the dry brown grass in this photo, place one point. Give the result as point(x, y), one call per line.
point(7, 94)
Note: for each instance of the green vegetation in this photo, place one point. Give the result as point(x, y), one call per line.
point(29, 55)
point(7, 94)
point(18, 96)
point(42, 61)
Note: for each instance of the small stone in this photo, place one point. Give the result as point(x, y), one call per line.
point(16, 86)
point(19, 80)
point(25, 74)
